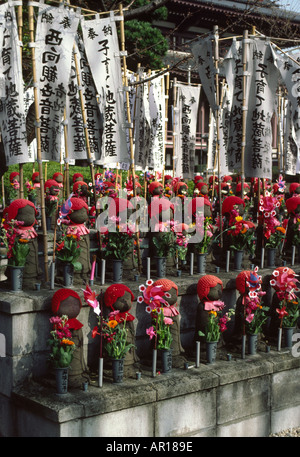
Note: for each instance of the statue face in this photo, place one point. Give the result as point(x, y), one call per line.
point(207, 211)
point(27, 215)
point(123, 304)
point(70, 307)
point(54, 190)
point(79, 216)
point(204, 190)
point(59, 179)
point(297, 190)
point(182, 190)
point(158, 190)
point(215, 293)
point(173, 296)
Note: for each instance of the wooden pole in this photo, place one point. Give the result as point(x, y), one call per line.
point(125, 84)
point(20, 33)
point(174, 133)
point(244, 110)
point(38, 139)
point(217, 118)
point(166, 123)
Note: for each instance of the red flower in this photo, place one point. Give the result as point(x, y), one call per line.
point(282, 312)
point(94, 332)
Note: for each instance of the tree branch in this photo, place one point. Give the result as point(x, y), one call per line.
point(149, 8)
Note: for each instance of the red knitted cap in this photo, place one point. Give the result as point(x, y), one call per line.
point(200, 184)
point(211, 178)
point(77, 184)
point(292, 203)
point(16, 205)
point(13, 175)
point(77, 175)
point(34, 175)
point(153, 186)
point(168, 177)
point(229, 203)
point(49, 183)
point(166, 284)
point(121, 204)
point(114, 292)
point(227, 178)
point(78, 203)
point(158, 205)
point(293, 187)
point(60, 295)
point(179, 184)
point(205, 284)
point(57, 174)
point(198, 178)
point(239, 186)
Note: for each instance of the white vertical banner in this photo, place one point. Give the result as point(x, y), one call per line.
point(157, 114)
point(187, 105)
point(102, 50)
point(261, 85)
point(12, 111)
point(55, 35)
point(290, 146)
point(289, 70)
point(141, 125)
point(204, 56)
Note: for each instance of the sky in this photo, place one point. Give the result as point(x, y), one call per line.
point(290, 5)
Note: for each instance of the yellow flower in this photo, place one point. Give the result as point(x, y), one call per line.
point(112, 323)
point(23, 240)
point(280, 229)
point(67, 342)
point(239, 218)
point(213, 313)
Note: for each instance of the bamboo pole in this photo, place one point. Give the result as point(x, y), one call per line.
point(166, 123)
point(174, 133)
point(244, 110)
point(217, 118)
point(38, 138)
point(125, 84)
point(20, 33)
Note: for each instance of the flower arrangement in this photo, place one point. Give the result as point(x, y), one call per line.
point(17, 247)
point(113, 329)
point(284, 282)
point(67, 249)
point(240, 233)
point(13, 190)
point(31, 191)
point(62, 346)
point(118, 243)
point(254, 312)
point(205, 229)
point(217, 322)
point(273, 232)
point(182, 240)
point(165, 242)
point(160, 329)
point(296, 232)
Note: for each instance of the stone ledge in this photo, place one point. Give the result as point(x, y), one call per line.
point(77, 404)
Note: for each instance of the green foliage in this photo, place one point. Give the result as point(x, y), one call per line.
point(145, 45)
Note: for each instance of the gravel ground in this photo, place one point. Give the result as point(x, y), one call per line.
point(291, 432)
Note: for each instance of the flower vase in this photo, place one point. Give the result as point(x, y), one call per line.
point(117, 370)
point(271, 255)
point(16, 277)
point(61, 377)
point(117, 270)
point(287, 336)
point(238, 259)
point(166, 360)
point(211, 351)
point(201, 262)
point(68, 271)
point(160, 267)
point(252, 344)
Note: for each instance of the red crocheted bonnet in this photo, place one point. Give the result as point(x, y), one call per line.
point(166, 284)
point(77, 184)
point(55, 175)
point(16, 205)
point(60, 295)
point(240, 281)
point(229, 203)
point(49, 183)
point(154, 185)
point(78, 203)
point(121, 204)
point(292, 203)
point(13, 175)
point(239, 186)
point(179, 184)
point(200, 184)
point(198, 178)
point(158, 205)
point(167, 177)
point(34, 175)
point(227, 178)
point(114, 292)
point(77, 175)
point(293, 187)
point(205, 284)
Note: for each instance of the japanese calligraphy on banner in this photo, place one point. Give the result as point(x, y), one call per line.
point(156, 157)
point(291, 147)
point(55, 35)
point(142, 124)
point(290, 74)
point(102, 50)
point(203, 53)
point(77, 148)
point(260, 99)
point(187, 105)
point(12, 112)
